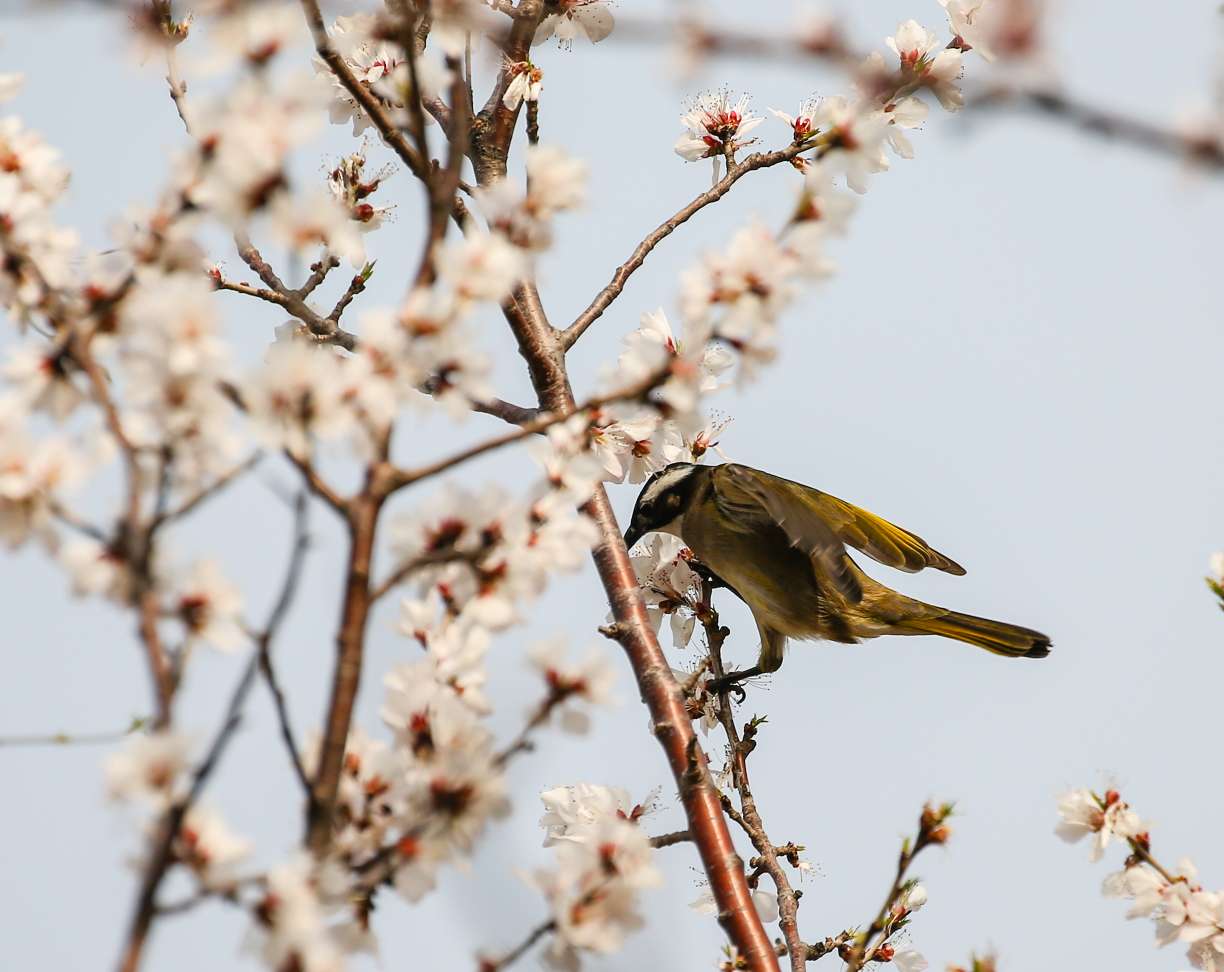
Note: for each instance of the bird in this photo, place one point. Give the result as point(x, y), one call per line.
point(780, 547)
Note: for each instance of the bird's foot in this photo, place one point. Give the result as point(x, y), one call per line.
point(730, 682)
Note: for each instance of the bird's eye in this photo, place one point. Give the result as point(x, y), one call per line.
point(672, 500)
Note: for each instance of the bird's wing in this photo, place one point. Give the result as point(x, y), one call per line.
point(875, 536)
point(748, 501)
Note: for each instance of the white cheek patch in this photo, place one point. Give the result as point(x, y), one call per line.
point(666, 480)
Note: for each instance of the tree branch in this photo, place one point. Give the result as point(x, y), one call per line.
point(297, 559)
point(540, 423)
point(750, 818)
point(758, 160)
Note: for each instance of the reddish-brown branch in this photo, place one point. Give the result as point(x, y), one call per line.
point(539, 345)
point(363, 511)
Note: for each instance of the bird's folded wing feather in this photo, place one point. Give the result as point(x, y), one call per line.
point(748, 500)
point(875, 536)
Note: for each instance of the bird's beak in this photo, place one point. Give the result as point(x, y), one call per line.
point(632, 536)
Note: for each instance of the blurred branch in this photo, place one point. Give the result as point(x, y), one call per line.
point(76, 738)
point(163, 855)
point(1105, 122)
point(217, 486)
point(702, 39)
point(297, 559)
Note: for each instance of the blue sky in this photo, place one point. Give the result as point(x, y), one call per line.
point(1019, 359)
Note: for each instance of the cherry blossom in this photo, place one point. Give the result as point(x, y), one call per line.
point(255, 33)
point(604, 872)
point(576, 18)
point(95, 567)
point(1084, 814)
point(968, 20)
point(856, 140)
point(293, 929)
point(42, 377)
point(318, 219)
point(526, 83)
point(296, 397)
point(207, 846)
point(148, 767)
point(570, 811)
point(914, 46)
point(569, 683)
point(715, 127)
point(802, 125)
point(33, 476)
point(210, 606)
point(373, 62)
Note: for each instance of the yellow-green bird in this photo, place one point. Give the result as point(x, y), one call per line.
point(781, 548)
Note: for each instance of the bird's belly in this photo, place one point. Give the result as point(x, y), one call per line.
point(778, 585)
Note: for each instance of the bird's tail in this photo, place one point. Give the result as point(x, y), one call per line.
point(995, 636)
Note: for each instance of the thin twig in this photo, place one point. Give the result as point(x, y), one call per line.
point(163, 855)
point(516, 953)
point(931, 831)
point(73, 739)
point(318, 273)
point(534, 426)
point(758, 160)
point(522, 742)
point(750, 817)
point(280, 293)
point(671, 839)
point(297, 558)
point(208, 492)
point(318, 485)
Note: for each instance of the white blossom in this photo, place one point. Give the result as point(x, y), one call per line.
point(210, 606)
point(1084, 814)
point(970, 21)
point(209, 848)
point(569, 683)
point(715, 127)
point(296, 396)
point(148, 767)
point(574, 18)
point(526, 83)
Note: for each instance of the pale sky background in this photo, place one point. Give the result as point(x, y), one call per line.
point(1019, 359)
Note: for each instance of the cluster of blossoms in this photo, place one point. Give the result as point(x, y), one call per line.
point(407, 807)
point(604, 861)
point(1181, 909)
point(848, 134)
point(149, 771)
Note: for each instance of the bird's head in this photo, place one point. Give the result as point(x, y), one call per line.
point(664, 498)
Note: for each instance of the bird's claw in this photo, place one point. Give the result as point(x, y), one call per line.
point(731, 682)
